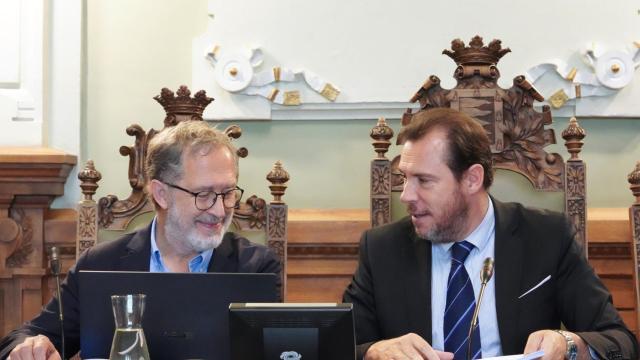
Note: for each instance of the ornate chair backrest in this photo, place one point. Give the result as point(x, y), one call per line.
point(634, 221)
point(110, 217)
point(516, 130)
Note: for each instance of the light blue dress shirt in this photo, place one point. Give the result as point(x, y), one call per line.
point(483, 238)
point(199, 263)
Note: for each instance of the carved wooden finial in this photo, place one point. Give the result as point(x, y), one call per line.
point(181, 106)
point(573, 135)
point(634, 179)
point(278, 178)
point(89, 178)
point(381, 134)
point(234, 132)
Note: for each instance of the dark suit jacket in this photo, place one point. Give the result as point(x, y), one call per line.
point(130, 253)
point(391, 289)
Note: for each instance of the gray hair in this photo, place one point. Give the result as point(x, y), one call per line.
point(164, 154)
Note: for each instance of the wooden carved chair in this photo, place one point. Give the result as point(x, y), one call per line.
point(634, 221)
point(109, 217)
point(516, 130)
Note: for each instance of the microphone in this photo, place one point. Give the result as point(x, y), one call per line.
point(54, 261)
point(54, 265)
point(485, 275)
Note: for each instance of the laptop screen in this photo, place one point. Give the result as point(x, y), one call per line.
point(185, 316)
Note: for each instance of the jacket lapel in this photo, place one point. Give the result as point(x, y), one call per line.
point(417, 266)
point(138, 251)
point(509, 257)
point(223, 256)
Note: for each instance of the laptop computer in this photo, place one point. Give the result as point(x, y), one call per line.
point(185, 316)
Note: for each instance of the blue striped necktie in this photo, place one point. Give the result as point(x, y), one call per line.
point(461, 303)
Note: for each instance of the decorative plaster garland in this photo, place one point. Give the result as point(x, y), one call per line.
point(235, 72)
point(609, 72)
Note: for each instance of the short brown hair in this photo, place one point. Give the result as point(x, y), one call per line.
point(164, 154)
point(468, 143)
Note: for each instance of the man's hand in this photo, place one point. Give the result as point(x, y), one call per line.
point(35, 348)
point(554, 345)
point(406, 347)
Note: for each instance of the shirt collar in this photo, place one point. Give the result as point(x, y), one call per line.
point(199, 263)
point(480, 236)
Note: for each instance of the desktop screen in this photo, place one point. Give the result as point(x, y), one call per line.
point(291, 331)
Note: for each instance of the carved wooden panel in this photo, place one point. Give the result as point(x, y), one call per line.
point(380, 171)
point(380, 177)
point(30, 178)
point(87, 226)
point(635, 215)
point(576, 207)
point(484, 105)
point(20, 256)
point(277, 238)
point(251, 214)
point(634, 218)
point(380, 192)
point(515, 129)
point(114, 213)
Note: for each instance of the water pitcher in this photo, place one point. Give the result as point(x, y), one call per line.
point(129, 342)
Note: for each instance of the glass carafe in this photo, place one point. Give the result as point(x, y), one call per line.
point(129, 342)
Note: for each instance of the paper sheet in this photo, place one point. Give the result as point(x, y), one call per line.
point(529, 356)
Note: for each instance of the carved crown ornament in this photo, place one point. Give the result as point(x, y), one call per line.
point(179, 106)
point(476, 53)
point(516, 130)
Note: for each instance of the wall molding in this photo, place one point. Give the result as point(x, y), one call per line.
point(329, 111)
point(390, 110)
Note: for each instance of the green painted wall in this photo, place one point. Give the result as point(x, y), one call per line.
point(329, 160)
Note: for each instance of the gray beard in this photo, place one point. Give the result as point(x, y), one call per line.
point(188, 239)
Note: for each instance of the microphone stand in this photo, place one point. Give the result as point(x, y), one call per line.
point(485, 276)
point(55, 271)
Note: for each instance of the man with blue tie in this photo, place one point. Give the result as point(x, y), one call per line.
point(417, 281)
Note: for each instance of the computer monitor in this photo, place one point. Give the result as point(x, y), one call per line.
point(291, 331)
point(185, 316)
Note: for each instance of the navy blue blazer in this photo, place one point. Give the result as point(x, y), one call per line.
point(391, 289)
point(131, 253)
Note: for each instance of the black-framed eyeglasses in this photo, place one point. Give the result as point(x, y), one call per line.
point(204, 200)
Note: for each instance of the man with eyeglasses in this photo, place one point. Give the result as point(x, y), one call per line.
point(192, 172)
